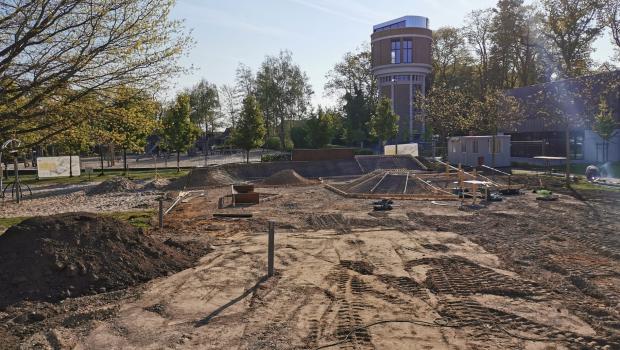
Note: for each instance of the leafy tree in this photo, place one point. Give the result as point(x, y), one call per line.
point(493, 111)
point(353, 75)
point(449, 111)
point(605, 124)
point(505, 28)
point(131, 119)
point(572, 26)
point(299, 136)
point(451, 59)
point(179, 133)
point(250, 132)
point(384, 122)
point(57, 56)
point(245, 81)
point(321, 129)
point(204, 101)
point(353, 82)
point(357, 111)
point(282, 91)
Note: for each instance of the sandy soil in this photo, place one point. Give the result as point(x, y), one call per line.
point(62, 199)
point(518, 274)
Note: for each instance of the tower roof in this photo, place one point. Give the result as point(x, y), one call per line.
point(403, 22)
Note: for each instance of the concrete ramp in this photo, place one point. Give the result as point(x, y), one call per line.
point(371, 163)
point(229, 174)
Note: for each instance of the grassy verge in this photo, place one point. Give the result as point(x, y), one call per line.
point(588, 186)
point(8, 222)
point(575, 168)
point(131, 174)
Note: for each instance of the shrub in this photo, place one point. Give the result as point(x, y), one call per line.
point(275, 157)
point(298, 136)
point(363, 152)
point(272, 143)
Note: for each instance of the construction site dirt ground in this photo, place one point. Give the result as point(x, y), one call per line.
point(516, 274)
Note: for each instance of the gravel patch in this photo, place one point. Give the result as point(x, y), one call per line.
point(78, 201)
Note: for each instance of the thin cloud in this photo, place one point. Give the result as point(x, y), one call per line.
point(332, 11)
point(224, 19)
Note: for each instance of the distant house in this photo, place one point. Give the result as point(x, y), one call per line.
point(211, 139)
point(539, 135)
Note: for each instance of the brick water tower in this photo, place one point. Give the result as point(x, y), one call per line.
point(402, 64)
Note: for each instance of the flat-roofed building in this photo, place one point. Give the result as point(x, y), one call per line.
point(402, 64)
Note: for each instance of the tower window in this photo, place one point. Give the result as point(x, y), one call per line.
point(395, 51)
point(408, 51)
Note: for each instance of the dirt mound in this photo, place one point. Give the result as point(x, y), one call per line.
point(115, 184)
point(287, 177)
point(157, 184)
point(66, 255)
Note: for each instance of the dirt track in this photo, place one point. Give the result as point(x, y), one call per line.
point(520, 274)
point(421, 264)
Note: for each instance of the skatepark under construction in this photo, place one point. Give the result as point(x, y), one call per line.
point(396, 177)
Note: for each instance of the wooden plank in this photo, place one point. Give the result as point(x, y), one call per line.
point(378, 183)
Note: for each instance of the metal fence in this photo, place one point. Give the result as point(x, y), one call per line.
point(433, 149)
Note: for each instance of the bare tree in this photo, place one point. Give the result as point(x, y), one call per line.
point(478, 32)
point(230, 100)
point(611, 16)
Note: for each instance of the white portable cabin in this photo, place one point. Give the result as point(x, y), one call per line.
point(476, 150)
point(403, 148)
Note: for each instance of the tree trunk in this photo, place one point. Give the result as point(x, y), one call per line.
point(247, 159)
point(282, 135)
point(125, 161)
point(101, 158)
point(606, 155)
point(178, 161)
point(493, 141)
point(112, 155)
point(567, 144)
point(70, 162)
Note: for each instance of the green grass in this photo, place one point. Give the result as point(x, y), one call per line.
point(8, 222)
point(588, 186)
point(137, 174)
point(139, 218)
point(575, 168)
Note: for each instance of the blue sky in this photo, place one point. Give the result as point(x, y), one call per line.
point(317, 32)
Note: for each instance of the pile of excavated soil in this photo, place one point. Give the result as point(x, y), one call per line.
point(66, 255)
point(115, 184)
point(157, 184)
point(287, 177)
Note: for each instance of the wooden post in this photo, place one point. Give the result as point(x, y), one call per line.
point(448, 169)
point(474, 187)
point(270, 248)
point(161, 213)
point(16, 185)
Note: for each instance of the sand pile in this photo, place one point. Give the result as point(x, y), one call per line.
point(115, 184)
point(66, 255)
point(287, 177)
point(157, 184)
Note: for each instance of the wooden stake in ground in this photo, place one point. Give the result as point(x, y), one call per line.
point(270, 248)
point(161, 213)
